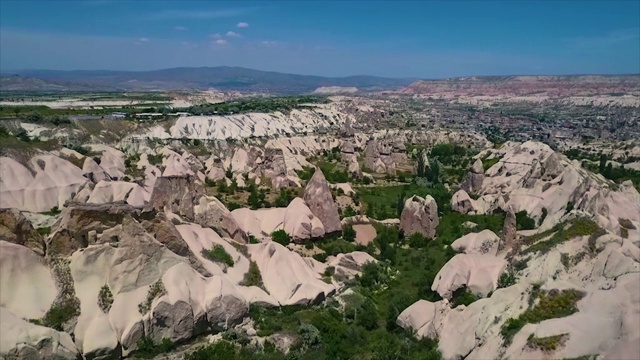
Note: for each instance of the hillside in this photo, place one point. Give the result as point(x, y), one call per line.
point(185, 78)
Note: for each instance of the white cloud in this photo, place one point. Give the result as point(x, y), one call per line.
point(180, 28)
point(233, 34)
point(143, 39)
point(221, 42)
point(268, 43)
point(195, 14)
point(243, 25)
point(215, 36)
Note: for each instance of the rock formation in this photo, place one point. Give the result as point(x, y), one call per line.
point(462, 202)
point(178, 194)
point(24, 340)
point(384, 156)
point(317, 195)
point(47, 182)
point(300, 223)
point(81, 225)
point(509, 230)
point(484, 242)
point(210, 212)
point(473, 182)
point(15, 228)
point(420, 215)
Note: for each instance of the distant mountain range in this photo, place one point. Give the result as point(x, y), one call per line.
point(187, 78)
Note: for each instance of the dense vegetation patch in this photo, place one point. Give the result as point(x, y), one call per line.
point(488, 163)
point(256, 104)
point(148, 349)
point(281, 237)
point(253, 277)
point(364, 324)
point(561, 233)
point(155, 290)
point(462, 296)
point(384, 202)
point(524, 222)
point(105, 298)
point(618, 174)
point(336, 332)
point(218, 254)
point(67, 305)
point(551, 304)
point(547, 343)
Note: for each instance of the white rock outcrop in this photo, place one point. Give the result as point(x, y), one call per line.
point(484, 242)
point(54, 181)
point(287, 277)
point(479, 273)
point(420, 215)
point(23, 340)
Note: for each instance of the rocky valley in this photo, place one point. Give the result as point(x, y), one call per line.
point(397, 225)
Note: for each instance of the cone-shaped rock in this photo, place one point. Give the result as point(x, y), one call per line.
point(318, 197)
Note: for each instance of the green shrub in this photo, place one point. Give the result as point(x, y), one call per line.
point(322, 257)
point(552, 304)
point(349, 211)
point(330, 271)
point(148, 349)
point(524, 222)
point(488, 163)
point(154, 159)
point(593, 238)
point(53, 212)
point(462, 296)
point(253, 240)
point(67, 306)
point(374, 275)
point(281, 237)
point(546, 344)
point(336, 246)
point(306, 173)
point(417, 240)
point(105, 298)
point(4, 132)
point(507, 278)
point(209, 183)
point(543, 216)
point(61, 313)
point(348, 233)
point(569, 207)
point(253, 277)
point(565, 260)
point(155, 290)
point(218, 254)
point(310, 336)
point(44, 231)
point(579, 227)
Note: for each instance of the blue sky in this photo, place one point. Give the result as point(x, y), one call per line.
point(421, 39)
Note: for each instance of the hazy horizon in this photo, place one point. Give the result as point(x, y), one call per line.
point(426, 40)
point(19, 71)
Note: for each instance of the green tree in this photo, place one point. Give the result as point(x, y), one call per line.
point(281, 237)
point(421, 164)
point(348, 233)
point(603, 163)
point(35, 117)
